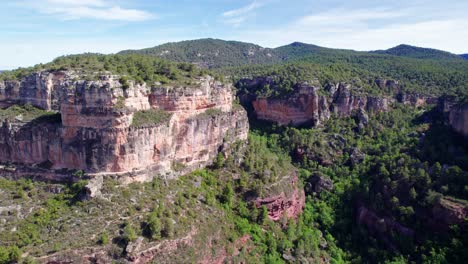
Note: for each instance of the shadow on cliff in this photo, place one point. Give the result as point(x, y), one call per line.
point(440, 142)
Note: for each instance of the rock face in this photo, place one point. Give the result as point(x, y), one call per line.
point(458, 118)
point(318, 183)
point(448, 212)
point(289, 202)
point(312, 105)
point(96, 134)
point(382, 227)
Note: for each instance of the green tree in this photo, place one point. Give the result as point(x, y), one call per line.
point(154, 225)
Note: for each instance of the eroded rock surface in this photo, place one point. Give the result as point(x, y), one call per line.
point(309, 104)
point(98, 135)
point(288, 202)
point(458, 118)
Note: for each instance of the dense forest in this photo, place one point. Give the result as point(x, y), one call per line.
point(374, 192)
point(131, 67)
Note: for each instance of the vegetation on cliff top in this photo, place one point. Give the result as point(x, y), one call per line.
point(427, 77)
point(134, 67)
point(27, 113)
point(150, 118)
point(425, 71)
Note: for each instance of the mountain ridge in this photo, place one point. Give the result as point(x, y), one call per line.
point(405, 50)
point(216, 53)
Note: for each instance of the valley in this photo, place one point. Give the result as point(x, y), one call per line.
point(212, 151)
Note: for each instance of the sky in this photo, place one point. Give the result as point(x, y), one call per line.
point(37, 31)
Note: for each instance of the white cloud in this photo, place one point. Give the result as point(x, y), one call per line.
point(367, 30)
point(345, 17)
point(236, 17)
point(94, 9)
point(243, 10)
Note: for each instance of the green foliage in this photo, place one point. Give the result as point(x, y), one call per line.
point(167, 228)
point(131, 67)
point(154, 225)
point(129, 233)
point(419, 53)
point(209, 53)
point(124, 82)
point(149, 118)
point(27, 113)
point(104, 239)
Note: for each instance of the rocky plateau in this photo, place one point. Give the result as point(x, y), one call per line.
point(97, 133)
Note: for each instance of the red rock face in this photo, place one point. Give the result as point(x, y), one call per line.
point(96, 133)
point(458, 118)
point(290, 204)
point(307, 106)
point(449, 212)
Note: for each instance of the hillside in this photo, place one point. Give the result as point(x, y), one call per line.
point(211, 53)
point(465, 56)
point(305, 154)
point(404, 50)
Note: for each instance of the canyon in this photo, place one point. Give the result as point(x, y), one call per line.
point(97, 133)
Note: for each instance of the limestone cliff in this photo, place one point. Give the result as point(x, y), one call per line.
point(288, 200)
point(310, 104)
point(458, 118)
point(98, 132)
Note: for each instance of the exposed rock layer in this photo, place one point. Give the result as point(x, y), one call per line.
point(458, 118)
point(96, 134)
point(289, 202)
point(312, 105)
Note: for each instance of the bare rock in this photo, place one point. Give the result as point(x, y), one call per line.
point(318, 183)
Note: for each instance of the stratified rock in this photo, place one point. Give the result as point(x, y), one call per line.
point(97, 134)
point(309, 104)
point(458, 118)
point(289, 202)
point(305, 106)
point(448, 212)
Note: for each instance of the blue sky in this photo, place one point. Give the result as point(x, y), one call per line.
point(35, 31)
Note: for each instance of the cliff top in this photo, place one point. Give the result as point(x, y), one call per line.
point(130, 67)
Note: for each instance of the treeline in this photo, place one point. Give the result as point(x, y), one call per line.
point(428, 77)
point(135, 67)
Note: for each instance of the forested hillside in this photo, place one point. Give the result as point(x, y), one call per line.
point(382, 178)
point(419, 53)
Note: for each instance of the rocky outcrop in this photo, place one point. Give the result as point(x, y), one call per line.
point(312, 105)
point(318, 183)
point(458, 118)
point(382, 227)
point(98, 135)
point(448, 212)
point(288, 200)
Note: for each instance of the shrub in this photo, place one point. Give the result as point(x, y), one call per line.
point(150, 118)
point(154, 226)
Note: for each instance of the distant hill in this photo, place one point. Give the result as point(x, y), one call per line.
point(216, 53)
point(465, 56)
point(211, 53)
point(418, 53)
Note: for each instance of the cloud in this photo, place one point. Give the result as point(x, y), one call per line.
point(236, 17)
point(367, 29)
point(93, 9)
point(243, 10)
point(344, 17)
